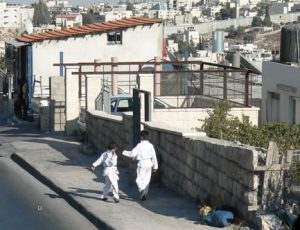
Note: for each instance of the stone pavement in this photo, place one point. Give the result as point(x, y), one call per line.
point(58, 162)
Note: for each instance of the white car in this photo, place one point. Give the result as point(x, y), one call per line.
point(124, 103)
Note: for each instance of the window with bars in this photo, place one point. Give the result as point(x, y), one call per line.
point(114, 37)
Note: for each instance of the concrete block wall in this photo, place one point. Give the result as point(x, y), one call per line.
point(102, 131)
point(207, 169)
point(201, 168)
point(103, 128)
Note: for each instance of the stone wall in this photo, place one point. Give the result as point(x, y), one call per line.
point(108, 128)
point(207, 169)
point(209, 27)
point(202, 168)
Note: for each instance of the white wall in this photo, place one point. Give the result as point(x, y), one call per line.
point(191, 118)
point(284, 80)
point(140, 43)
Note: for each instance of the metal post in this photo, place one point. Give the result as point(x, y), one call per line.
point(157, 82)
point(97, 66)
point(247, 88)
point(137, 112)
point(114, 76)
point(201, 79)
point(224, 85)
point(136, 117)
point(147, 106)
point(80, 82)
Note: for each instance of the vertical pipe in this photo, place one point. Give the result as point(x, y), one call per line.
point(224, 85)
point(80, 82)
point(147, 106)
point(247, 88)
point(61, 61)
point(114, 76)
point(30, 76)
point(158, 67)
point(201, 79)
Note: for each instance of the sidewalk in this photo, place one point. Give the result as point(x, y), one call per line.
point(58, 162)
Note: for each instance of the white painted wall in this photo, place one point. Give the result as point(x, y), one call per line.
point(284, 80)
point(140, 43)
point(191, 118)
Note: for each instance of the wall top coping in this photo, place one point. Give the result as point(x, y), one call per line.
point(105, 115)
point(176, 131)
point(253, 108)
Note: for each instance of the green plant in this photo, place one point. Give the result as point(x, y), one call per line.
point(220, 124)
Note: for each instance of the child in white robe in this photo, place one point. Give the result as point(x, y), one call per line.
point(110, 172)
point(144, 152)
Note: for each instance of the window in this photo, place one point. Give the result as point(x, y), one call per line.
point(114, 37)
point(125, 105)
point(294, 110)
point(273, 100)
point(113, 105)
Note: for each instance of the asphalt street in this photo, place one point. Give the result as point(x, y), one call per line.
point(28, 204)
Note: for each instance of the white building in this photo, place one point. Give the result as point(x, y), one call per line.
point(134, 39)
point(191, 35)
point(69, 20)
point(280, 93)
point(249, 47)
point(177, 4)
point(116, 15)
point(53, 3)
point(196, 12)
point(183, 19)
point(214, 9)
point(14, 16)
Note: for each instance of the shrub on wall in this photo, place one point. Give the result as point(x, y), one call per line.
point(220, 124)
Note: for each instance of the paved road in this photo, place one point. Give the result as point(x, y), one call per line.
point(28, 204)
point(59, 159)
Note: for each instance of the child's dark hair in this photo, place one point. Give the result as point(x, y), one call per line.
point(111, 145)
point(144, 134)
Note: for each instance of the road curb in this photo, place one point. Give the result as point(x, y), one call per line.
point(6, 150)
point(100, 224)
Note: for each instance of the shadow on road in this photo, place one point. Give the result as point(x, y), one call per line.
point(160, 200)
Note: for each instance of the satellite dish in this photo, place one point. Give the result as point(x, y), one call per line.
point(28, 26)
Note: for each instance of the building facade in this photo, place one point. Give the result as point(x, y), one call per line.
point(30, 58)
point(280, 93)
point(14, 16)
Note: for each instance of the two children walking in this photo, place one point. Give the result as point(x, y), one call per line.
point(143, 152)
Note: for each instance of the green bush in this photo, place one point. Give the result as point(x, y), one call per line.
point(220, 124)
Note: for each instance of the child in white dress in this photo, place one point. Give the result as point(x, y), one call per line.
point(110, 172)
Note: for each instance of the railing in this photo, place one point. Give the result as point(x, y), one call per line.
point(199, 79)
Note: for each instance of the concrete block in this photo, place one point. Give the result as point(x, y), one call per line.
point(191, 161)
point(199, 166)
point(250, 198)
point(212, 174)
point(188, 173)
